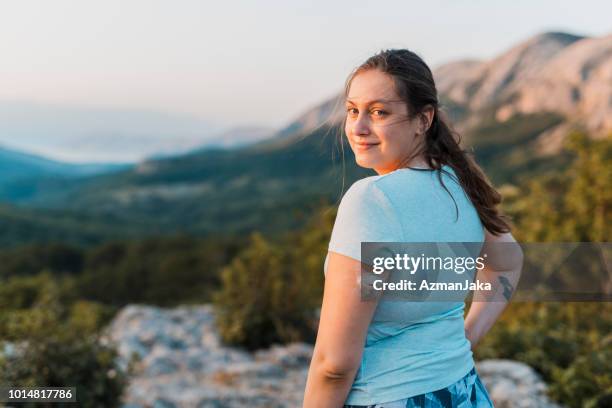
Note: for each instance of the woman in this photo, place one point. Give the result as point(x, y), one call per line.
point(404, 354)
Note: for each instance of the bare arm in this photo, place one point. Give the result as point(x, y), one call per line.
point(341, 337)
point(502, 270)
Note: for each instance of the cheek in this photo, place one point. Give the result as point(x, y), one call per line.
point(398, 143)
point(393, 139)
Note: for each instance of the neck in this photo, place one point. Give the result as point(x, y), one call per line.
point(416, 163)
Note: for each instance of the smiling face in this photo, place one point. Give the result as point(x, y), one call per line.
point(378, 126)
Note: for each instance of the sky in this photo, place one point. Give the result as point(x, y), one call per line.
point(236, 63)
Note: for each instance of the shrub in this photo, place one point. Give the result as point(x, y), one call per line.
point(55, 346)
point(587, 382)
point(262, 300)
point(565, 342)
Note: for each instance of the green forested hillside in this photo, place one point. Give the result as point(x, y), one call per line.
point(269, 187)
point(26, 225)
point(507, 150)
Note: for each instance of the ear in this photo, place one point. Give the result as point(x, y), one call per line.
point(426, 118)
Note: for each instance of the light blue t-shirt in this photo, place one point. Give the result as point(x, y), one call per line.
point(411, 347)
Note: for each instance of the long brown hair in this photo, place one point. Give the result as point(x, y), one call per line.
point(415, 85)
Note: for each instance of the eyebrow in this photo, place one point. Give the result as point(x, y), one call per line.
point(373, 102)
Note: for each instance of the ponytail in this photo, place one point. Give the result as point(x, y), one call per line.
point(442, 147)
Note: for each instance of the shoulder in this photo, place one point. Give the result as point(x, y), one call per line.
point(397, 191)
point(366, 192)
point(365, 214)
point(361, 187)
point(366, 203)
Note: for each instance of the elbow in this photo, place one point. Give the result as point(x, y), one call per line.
point(338, 369)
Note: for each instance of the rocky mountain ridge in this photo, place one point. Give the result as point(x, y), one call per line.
point(550, 72)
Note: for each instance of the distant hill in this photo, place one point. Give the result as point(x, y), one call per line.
point(15, 164)
point(21, 172)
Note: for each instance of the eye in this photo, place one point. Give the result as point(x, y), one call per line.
point(351, 111)
point(378, 112)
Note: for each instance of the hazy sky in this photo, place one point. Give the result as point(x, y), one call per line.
point(247, 62)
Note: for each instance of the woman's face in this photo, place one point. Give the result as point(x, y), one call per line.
point(378, 127)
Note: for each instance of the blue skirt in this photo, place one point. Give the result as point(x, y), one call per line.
point(468, 392)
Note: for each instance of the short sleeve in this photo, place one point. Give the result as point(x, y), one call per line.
point(365, 214)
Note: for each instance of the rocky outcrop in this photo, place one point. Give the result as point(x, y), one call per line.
point(513, 385)
point(182, 363)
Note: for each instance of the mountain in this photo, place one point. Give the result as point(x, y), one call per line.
point(500, 106)
point(577, 82)
point(482, 84)
point(561, 73)
point(557, 73)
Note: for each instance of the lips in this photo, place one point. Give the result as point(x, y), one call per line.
point(365, 146)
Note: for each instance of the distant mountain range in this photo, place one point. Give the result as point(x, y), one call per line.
point(86, 134)
point(15, 165)
point(500, 106)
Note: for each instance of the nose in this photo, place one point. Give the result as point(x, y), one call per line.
point(360, 126)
